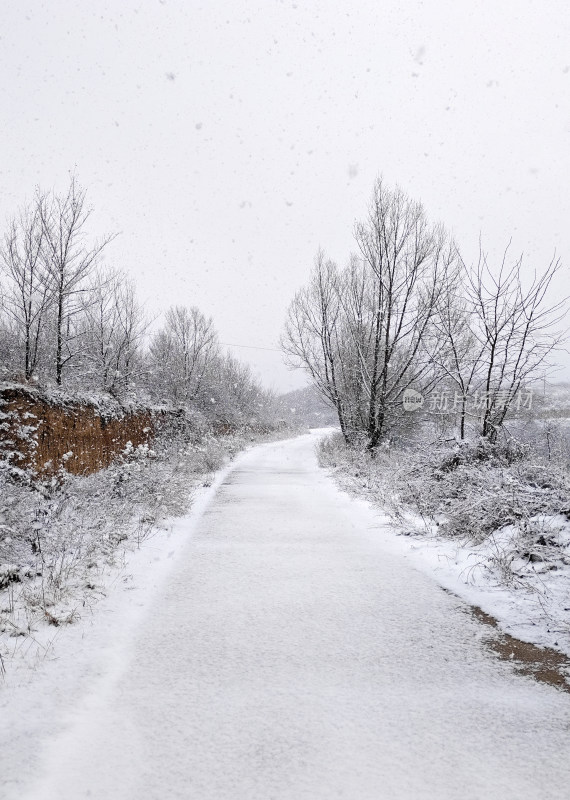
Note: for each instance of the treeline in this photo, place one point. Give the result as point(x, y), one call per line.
point(68, 320)
point(408, 321)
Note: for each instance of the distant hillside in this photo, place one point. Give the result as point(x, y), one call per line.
point(551, 400)
point(307, 407)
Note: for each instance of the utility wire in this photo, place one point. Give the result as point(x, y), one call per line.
point(251, 347)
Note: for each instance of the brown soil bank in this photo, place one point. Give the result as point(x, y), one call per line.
point(43, 432)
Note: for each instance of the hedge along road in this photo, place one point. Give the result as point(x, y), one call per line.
point(292, 655)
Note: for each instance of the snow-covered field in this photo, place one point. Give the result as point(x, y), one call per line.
point(280, 641)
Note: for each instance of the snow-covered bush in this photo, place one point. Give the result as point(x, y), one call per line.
point(467, 491)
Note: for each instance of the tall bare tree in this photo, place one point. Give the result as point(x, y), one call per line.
point(494, 336)
point(28, 292)
point(182, 353)
point(69, 261)
point(113, 327)
point(360, 332)
point(454, 350)
point(238, 395)
point(313, 336)
point(515, 328)
point(409, 260)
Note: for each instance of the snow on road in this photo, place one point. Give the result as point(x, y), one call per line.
point(288, 653)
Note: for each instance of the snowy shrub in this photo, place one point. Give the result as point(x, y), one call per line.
point(467, 491)
point(332, 450)
point(9, 573)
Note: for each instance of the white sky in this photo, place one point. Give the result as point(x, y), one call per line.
point(228, 140)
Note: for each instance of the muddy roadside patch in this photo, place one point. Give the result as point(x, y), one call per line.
point(544, 664)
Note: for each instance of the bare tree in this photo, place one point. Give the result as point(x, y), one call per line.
point(313, 336)
point(494, 336)
point(360, 332)
point(409, 259)
point(113, 328)
point(238, 396)
point(133, 325)
point(69, 262)
point(515, 329)
point(6, 340)
point(454, 350)
point(28, 296)
point(182, 353)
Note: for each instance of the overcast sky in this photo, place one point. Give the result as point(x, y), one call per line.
point(228, 140)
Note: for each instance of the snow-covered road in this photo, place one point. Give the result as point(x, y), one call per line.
point(290, 654)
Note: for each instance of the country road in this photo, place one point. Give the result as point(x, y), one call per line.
point(291, 655)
